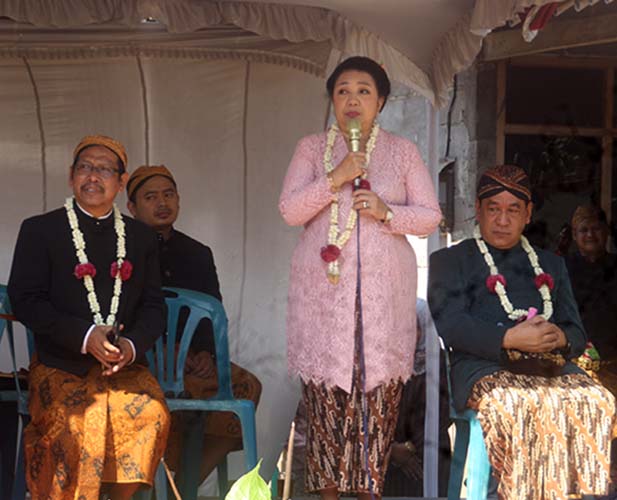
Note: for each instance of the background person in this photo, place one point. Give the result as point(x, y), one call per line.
point(323, 327)
point(187, 263)
point(593, 273)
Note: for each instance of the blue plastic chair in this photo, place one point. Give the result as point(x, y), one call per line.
point(469, 447)
point(171, 379)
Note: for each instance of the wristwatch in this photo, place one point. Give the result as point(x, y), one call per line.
point(388, 217)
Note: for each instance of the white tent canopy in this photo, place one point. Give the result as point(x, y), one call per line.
point(422, 43)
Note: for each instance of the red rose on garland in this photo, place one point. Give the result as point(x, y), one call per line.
point(364, 184)
point(544, 279)
point(493, 279)
point(86, 269)
point(126, 269)
point(330, 253)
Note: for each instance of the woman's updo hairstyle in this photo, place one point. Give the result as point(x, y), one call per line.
point(366, 65)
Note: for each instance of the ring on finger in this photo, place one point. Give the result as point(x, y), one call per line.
point(365, 204)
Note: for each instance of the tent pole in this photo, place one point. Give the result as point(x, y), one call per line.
point(431, 418)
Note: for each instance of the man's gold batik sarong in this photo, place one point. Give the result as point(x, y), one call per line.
point(89, 430)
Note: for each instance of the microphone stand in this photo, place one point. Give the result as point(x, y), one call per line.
point(354, 134)
point(360, 340)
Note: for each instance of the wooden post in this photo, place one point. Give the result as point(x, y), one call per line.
point(500, 153)
point(288, 461)
point(607, 144)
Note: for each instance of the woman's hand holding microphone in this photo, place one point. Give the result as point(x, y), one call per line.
point(352, 166)
point(364, 200)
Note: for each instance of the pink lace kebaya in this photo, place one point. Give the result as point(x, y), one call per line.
point(320, 315)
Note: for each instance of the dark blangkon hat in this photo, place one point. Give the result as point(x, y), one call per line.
point(504, 178)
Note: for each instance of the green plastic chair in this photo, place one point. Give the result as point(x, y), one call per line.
point(171, 379)
point(469, 447)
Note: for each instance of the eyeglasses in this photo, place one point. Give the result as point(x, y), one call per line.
point(83, 169)
point(589, 229)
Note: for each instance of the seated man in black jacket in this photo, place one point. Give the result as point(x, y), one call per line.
point(187, 263)
point(547, 425)
point(85, 280)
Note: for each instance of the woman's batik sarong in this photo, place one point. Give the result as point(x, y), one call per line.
point(335, 455)
point(335, 450)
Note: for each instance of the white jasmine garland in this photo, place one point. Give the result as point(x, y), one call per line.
point(500, 290)
point(335, 237)
point(80, 249)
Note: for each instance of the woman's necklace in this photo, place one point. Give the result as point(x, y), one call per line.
point(496, 283)
point(336, 238)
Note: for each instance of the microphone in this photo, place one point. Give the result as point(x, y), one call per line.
point(355, 133)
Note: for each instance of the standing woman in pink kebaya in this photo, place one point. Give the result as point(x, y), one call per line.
point(396, 197)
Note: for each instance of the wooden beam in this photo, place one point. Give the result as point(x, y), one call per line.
point(500, 149)
point(556, 35)
point(553, 61)
point(606, 192)
point(559, 130)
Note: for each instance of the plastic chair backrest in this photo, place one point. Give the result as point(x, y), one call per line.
point(5, 310)
point(200, 305)
point(446, 351)
point(6, 323)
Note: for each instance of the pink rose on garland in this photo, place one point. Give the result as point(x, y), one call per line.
point(544, 279)
point(330, 253)
point(493, 279)
point(364, 184)
point(86, 269)
point(126, 269)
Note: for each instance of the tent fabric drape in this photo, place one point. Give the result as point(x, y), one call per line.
point(490, 14)
point(256, 56)
point(223, 42)
point(459, 47)
point(455, 51)
point(292, 23)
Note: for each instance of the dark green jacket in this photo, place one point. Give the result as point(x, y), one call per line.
point(471, 320)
